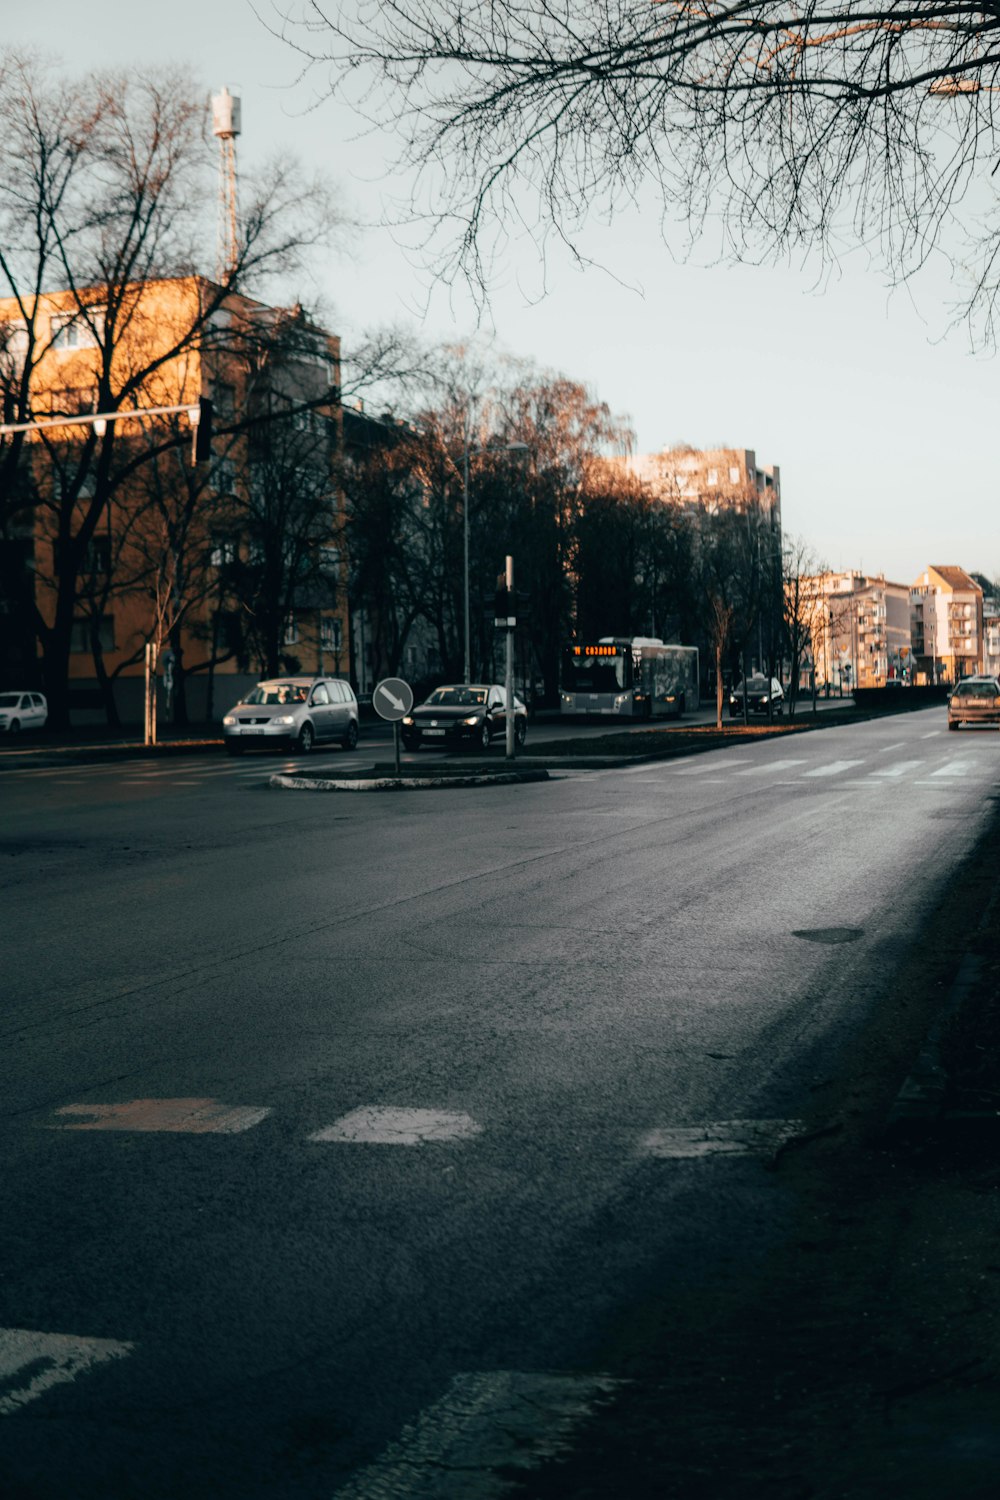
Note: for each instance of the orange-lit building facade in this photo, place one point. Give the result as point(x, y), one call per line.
point(180, 554)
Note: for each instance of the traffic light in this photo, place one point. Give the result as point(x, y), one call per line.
point(201, 431)
point(504, 605)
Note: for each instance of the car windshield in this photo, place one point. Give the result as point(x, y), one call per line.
point(976, 690)
point(755, 685)
point(273, 693)
point(9, 700)
point(457, 697)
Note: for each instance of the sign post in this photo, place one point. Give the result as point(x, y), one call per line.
point(392, 700)
point(505, 618)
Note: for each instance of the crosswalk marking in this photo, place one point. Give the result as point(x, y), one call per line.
point(833, 769)
point(383, 1125)
point(720, 1138)
point(485, 1424)
point(766, 767)
point(32, 1362)
point(901, 768)
point(955, 768)
point(187, 1116)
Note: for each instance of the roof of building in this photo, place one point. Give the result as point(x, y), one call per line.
point(956, 578)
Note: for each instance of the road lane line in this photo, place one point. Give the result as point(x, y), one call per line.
point(930, 736)
point(183, 1116)
point(31, 1362)
point(383, 1125)
point(485, 1424)
point(899, 745)
point(712, 763)
point(719, 1138)
point(833, 769)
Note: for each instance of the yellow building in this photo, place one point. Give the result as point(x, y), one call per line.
point(231, 566)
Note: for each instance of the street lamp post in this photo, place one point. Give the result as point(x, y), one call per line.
point(467, 451)
point(465, 546)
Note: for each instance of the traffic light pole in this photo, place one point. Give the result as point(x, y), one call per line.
point(199, 415)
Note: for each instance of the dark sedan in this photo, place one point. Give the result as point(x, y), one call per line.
point(764, 696)
point(463, 715)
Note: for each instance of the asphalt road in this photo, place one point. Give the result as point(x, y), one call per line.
point(343, 1132)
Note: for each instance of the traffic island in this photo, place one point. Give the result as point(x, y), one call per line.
point(381, 780)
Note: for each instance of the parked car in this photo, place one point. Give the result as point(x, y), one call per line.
point(762, 694)
point(20, 711)
point(296, 711)
point(974, 700)
point(465, 715)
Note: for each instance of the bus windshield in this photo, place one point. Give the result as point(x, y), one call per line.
point(595, 674)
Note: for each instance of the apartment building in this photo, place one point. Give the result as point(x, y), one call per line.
point(946, 624)
point(860, 628)
point(690, 477)
point(991, 634)
point(214, 563)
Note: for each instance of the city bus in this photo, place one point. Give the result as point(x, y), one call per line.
point(638, 678)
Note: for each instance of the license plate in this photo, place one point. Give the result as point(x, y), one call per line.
point(434, 731)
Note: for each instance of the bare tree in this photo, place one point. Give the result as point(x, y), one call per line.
point(791, 126)
point(104, 190)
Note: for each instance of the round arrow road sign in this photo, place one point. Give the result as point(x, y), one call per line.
point(392, 698)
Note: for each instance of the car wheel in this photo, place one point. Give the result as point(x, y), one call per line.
point(306, 739)
point(682, 705)
point(520, 731)
point(484, 736)
point(233, 748)
point(410, 745)
point(350, 739)
point(14, 727)
point(952, 723)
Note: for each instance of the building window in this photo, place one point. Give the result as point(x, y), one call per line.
point(329, 561)
point(97, 558)
point(82, 634)
point(75, 330)
point(223, 552)
point(291, 635)
point(330, 634)
point(223, 478)
point(713, 476)
point(734, 475)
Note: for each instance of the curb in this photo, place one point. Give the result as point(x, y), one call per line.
point(400, 783)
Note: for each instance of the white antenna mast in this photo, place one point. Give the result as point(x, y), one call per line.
point(226, 124)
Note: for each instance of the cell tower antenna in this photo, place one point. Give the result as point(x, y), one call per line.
point(226, 124)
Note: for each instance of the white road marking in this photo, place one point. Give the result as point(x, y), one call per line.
point(42, 1360)
point(458, 1448)
point(899, 745)
point(768, 766)
point(930, 736)
point(187, 1116)
point(899, 769)
point(383, 1125)
point(719, 1138)
point(735, 757)
point(955, 768)
point(833, 769)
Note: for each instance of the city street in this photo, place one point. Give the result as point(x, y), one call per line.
point(344, 1134)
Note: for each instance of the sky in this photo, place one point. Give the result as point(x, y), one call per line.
point(881, 421)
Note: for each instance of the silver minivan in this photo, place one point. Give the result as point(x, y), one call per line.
point(296, 711)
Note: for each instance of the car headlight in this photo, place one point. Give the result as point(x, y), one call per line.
point(229, 719)
point(476, 719)
point(283, 719)
point(408, 719)
point(764, 698)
